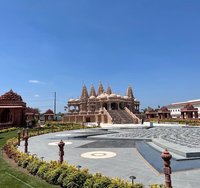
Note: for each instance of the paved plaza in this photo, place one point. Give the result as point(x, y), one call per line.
point(125, 150)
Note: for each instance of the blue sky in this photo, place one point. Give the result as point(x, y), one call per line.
point(59, 45)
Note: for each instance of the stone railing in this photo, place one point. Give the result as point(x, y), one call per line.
point(110, 120)
point(134, 117)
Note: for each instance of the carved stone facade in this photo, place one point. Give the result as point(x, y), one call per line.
point(103, 106)
point(12, 110)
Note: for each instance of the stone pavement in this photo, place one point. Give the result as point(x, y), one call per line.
point(123, 151)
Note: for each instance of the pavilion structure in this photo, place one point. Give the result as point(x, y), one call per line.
point(161, 113)
point(12, 110)
point(189, 112)
point(103, 106)
point(32, 115)
point(49, 115)
point(164, 113)
point(151, 113)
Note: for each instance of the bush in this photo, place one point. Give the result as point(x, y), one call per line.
point(43, 169)
point(53, 174)
point(34, 166)
point(97, 181)
point(66, 170)
point(8, 130)
point(76, 179)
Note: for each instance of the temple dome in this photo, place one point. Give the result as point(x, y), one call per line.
point(98, 97)
point(119, 96)
point(126, 97)
point(11, 96)
point(103, 96)
point(92, 97)
point(113, 95)
point(71, 100)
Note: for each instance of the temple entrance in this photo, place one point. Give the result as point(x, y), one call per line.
point(87, 119)
point(114, 106)
point(105, 106)
point(121, 106)
point(6, 116)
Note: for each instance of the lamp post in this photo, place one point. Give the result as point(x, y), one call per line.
point(19, 135)
point(132, 179)
point(78, 167)
point(26, 143)
point(166, 156)
point(42, 158)
point(34, 155)
point(61, 145)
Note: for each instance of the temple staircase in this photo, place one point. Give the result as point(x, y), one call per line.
point(120, 117)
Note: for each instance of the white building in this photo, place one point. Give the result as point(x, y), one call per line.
point(175, 108)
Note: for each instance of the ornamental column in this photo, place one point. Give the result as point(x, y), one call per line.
point(61, 151)
point(166, 156)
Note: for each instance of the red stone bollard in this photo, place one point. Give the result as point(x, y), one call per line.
point(27, 131)
point(26, 143)
point(61, 151)
point(19, 135)
point(23, 133)
point(166, 156)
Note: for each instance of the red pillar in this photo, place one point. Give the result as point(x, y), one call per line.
point(61, 151)
point(19, 135)
point(23, 133)
point(26, 143)
point(166, 156)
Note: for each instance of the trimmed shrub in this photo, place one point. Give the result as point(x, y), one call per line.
point(43, 169)
point(97, 181)
point(66, 170)
point(34, 166)
point(76, 179)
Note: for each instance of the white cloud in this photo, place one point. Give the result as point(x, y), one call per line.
point(34, 82)
point(36, 95)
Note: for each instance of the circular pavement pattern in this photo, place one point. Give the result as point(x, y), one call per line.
point(56, 143)
point(98, 155)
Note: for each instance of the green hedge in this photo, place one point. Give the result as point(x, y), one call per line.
point(8, 130)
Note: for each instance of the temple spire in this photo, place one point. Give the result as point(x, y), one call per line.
point(109, 91)
point(84, 94)
point(100, 90)
point(129, 92)
point(92, 91)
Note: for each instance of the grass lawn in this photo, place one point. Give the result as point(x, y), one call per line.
point(11, 177)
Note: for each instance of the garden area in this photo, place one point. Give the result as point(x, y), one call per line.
point(24, 170)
